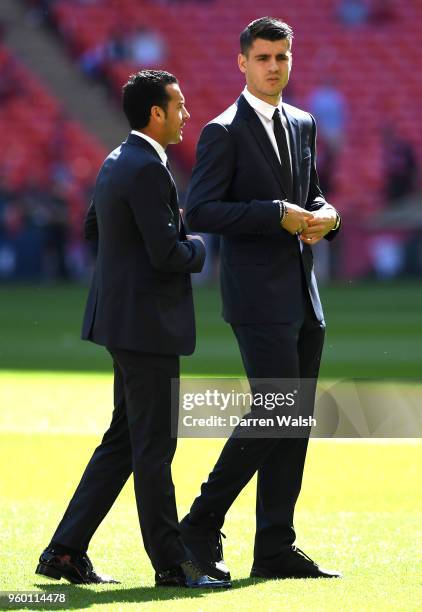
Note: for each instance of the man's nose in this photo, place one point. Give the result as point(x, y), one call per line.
point(273, 66)
point(186, 115)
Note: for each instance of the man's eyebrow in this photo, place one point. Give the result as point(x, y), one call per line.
point(266, 55)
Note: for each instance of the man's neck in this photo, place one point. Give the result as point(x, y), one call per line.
point(152, 135)
point(153, 142)
point(273, 100)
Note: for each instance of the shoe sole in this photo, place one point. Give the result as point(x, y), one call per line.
point(225, 585)
point(270, 575)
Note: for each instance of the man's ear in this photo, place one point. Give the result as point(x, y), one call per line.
point(241, 62)
point(157, 114)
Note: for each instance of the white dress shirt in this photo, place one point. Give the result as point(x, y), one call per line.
point(159, 148)
point(265, 113)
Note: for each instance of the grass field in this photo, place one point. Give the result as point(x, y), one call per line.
point(360, 510)
point(371, 331)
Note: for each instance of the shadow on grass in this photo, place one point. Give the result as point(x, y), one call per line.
point(79, 597)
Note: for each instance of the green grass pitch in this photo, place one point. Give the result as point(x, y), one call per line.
point(372, 331)
point(360, 510)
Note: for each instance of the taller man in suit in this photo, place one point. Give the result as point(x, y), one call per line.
point(140, 308)
point(255, 183)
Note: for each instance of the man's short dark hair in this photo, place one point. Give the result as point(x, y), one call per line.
point(267, 28)
point(145, 89)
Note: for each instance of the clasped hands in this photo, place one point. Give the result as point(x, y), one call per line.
point(310, 226)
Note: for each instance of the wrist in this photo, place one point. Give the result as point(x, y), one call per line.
point(337, 221)
point(283, 211)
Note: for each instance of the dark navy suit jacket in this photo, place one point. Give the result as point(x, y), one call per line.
point(141, 296)
point(234, 184)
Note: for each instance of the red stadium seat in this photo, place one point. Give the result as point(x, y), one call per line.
point(31, 122)
point(372, 66)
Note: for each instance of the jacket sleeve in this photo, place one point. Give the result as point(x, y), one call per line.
point(316, 199)
point(149, 200)
point(208, 207)
point(90, 224)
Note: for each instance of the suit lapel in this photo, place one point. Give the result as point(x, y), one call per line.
point(175, 205)
point(294, 136)
point(261, 136)
point(174, 200)
point(182, 228)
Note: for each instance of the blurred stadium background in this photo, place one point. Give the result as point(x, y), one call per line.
point(356, 67)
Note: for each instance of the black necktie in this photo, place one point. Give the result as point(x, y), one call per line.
point(283, 149)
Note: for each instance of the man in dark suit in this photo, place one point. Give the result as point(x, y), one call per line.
point(255, 183)
point(140, 307)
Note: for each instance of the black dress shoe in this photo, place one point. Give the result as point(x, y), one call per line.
point(77, 569)
point(189, 575)
point(295, 564)
point(206, 547)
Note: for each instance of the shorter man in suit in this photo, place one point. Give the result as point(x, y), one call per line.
point(140, 308)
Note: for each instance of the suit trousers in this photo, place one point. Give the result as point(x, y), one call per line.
point(276, 351)
point(139, 441)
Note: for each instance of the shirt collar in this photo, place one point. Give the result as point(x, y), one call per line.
point(261, 107)
point(159, 148)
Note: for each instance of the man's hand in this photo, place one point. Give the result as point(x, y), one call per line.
point(192, 237)
point(323, 222)
point(297, 219)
